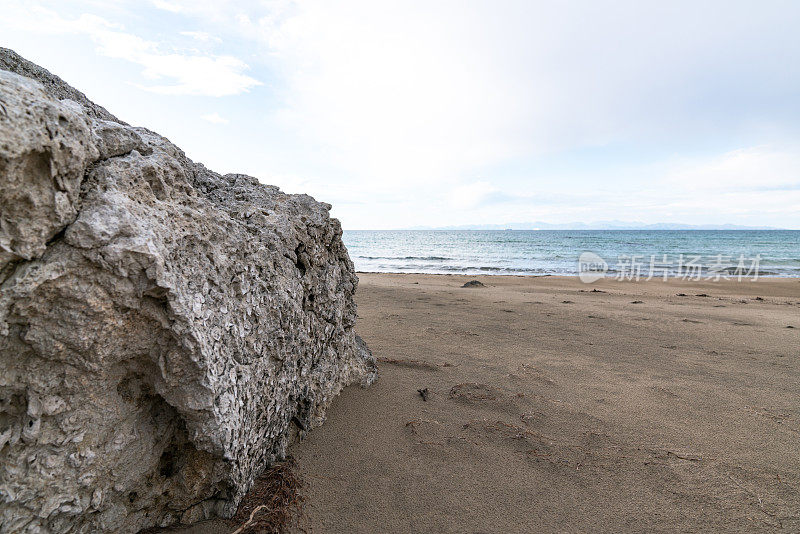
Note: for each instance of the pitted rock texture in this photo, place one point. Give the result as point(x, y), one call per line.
point(164, 330)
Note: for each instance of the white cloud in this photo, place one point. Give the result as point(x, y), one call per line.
point(172, 7)
point(214, 118)
point(476, 111)
point(753, 168)
point(195, 75)
point(752, 186)
point(201, 36)
point(182, 73)
point(420, 91)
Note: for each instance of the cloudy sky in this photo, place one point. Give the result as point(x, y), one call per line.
point(405, 113)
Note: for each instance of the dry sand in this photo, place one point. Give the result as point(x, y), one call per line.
point(552, 408)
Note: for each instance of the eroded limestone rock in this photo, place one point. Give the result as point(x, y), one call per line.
point(160, 325)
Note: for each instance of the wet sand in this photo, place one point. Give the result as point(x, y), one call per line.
point(552, 408)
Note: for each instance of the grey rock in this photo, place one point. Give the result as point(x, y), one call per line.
point(161, 326)
point(46, 147)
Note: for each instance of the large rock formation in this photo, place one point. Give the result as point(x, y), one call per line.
point(164, 330)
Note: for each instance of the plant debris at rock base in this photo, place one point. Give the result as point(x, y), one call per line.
point(275, 503)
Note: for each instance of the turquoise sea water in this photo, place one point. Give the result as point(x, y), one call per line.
point(535, 252)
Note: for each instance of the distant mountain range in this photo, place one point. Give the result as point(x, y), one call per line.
point(598, 225)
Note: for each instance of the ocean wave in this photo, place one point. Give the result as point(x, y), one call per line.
point(461, 269)
point(556, 253)
point(423, 258)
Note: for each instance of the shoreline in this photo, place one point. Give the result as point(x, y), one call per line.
point(548, 275)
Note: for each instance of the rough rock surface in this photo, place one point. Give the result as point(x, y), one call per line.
point(164, 330)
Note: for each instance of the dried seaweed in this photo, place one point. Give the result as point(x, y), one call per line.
point(275, 503)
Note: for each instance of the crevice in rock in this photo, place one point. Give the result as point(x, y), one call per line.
point(9, 269)
point(56, 238)
point(300, 261)
point(184, 475)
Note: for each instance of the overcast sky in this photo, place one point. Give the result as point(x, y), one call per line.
point(444, 113)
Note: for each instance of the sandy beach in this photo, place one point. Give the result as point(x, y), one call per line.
point(556, 406)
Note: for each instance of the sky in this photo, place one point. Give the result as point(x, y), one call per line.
point(436, 113)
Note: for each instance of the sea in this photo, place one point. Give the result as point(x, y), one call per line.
point(625, 253)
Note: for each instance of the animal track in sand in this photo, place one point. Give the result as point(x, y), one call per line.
point(533, 418)
point(665, 391)
point(508, 434)
point(427, 432)
point(470, 391)
point(462, 332)
point(482, 396)
point(410, 364)
point(530, 372)
point(415, 426)
point(778, 416)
